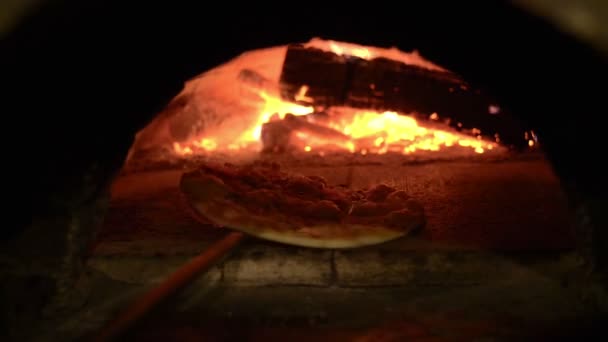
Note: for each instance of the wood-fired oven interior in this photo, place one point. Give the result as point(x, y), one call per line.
point(484, 204)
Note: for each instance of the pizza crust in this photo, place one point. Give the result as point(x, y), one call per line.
point(322, 235)
point(208, 196)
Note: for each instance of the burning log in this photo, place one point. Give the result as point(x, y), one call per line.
point(325, 73)
point(278, 135)
point(231, 108)
point(174, 123)
point(194, 113)
point(380, 83)
point(385, 84)
point(257, 82)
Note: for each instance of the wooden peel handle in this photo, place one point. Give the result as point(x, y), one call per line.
point(176, 281)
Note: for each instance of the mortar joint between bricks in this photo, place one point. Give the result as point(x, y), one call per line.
point(333, 275)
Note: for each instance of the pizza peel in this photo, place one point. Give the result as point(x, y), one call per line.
point(377, 215)
point(170, 286)
point(179, 279)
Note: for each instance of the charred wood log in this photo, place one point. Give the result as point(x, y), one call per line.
point(348, 80)
point(384, 84)
point(255, 80)
point(325, 73)
point(277, 135)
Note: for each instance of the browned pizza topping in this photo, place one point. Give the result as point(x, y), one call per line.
point(398, 195)
point(254, 178)
point(262, 188)
point(373, 208)
point(357, 195)
point(309, 210)
point(340, 199)
point(304, 187)
point(318, 180)
point(214, 186)
point(414, 206)
point(273, 166)
point(400, 218)
point(290, 205)
point(222, 171)
point(261, 200)
point(365, 209)
point(324, 210)
point(379, 192)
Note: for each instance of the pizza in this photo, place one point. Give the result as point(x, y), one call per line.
point(261, 200)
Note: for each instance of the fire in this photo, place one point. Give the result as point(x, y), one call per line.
point(342, 129)
point(301, 95)
point(367, 132)
point(370, 52)
point(392, 131)
point(274, 106)
point(208, 144)
point(184, 151)
point(349, 50)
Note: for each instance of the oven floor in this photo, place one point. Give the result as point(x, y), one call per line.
point(421, 329)
point(495, 261)
point(525, 305)
point(484, 313)
point(512, 204)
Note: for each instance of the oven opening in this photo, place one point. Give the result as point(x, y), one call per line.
point(326, 98)
point(495, 219)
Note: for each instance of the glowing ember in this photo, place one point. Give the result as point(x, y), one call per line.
point(368, 132)
point(184, 151)
point(390, 131)
point(370, 52)
point(493, 109)
point(273, 106)
point(301, 95)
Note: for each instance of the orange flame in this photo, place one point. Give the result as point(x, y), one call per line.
point(301, 95)
point(369, 132)
point(371, 52)
point(391, 131)
point(274, 106)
